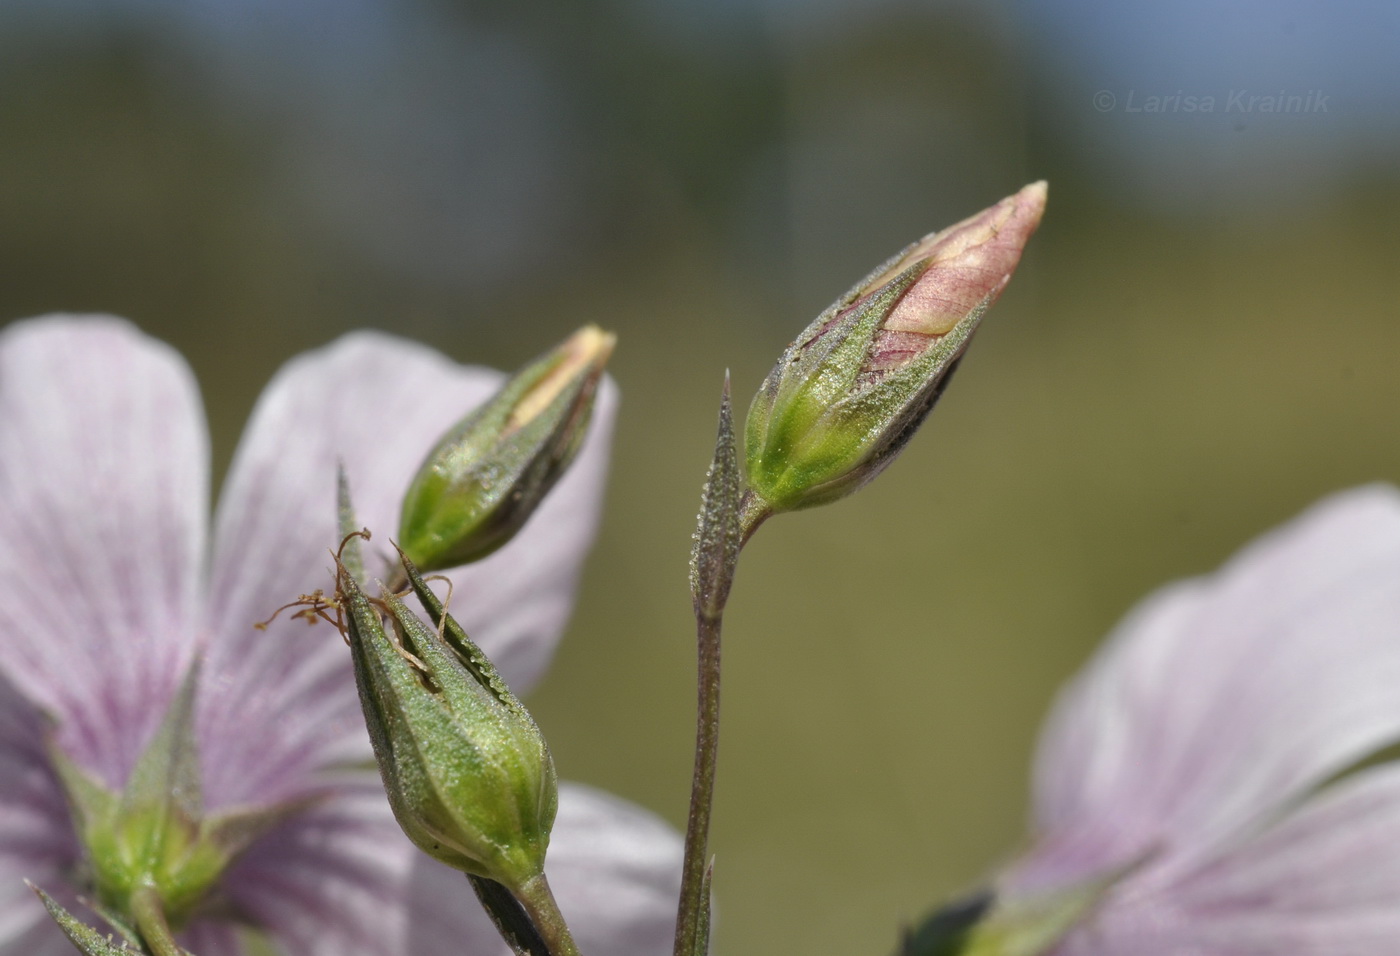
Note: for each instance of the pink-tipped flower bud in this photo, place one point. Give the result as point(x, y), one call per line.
point(851, 390)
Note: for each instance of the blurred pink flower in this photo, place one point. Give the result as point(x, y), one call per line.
point(1205, 764)
point(116, 584)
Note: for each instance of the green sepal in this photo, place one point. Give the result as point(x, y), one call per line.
point(90, 803)
point(154, 833)
point(166, 775)
point(232, 831)
point(351, 554)
point(821, 426)
point(825, 362)
point(470, 656)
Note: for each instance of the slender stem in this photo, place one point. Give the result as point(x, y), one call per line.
point(692, 930)
point(534, 894)
point(702, 788)
point(150, 922)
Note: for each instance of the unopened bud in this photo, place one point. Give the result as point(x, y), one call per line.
point(489, 473)
point(851, 390)
point(468, 774)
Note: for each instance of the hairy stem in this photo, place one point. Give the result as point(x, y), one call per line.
point(702, 788)
point(151, 924)
point(728, 516)
point(538, 900)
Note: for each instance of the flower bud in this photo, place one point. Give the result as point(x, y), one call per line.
point(468, 774)
point(490, 472)
point(850, 392)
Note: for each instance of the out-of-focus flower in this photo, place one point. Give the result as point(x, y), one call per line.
point(850, 392)
point(117, 587)
point(1203, 788)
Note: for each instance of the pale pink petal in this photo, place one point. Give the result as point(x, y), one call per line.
point(1223, 700)
point(613, 867)
point(331, 881)
point(444, 917)
point(1322, 882)
point(378, 404)
point(40, 936)
point(208, 939)
point(36, 840)
point(103, 495)
point(342, 880)
point(616, 872)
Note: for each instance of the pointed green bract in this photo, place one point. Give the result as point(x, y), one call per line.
point(488, 474)
point(468, 774)
point(351, 557)
point(702, 928)
point(84, 937)
point(718, 533)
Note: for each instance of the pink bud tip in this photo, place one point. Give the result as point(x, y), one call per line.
point(968, 264)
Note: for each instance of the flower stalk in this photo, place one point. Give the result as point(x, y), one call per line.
point(833, 413)
point(151, 923)
point(538, 900)
point(718, 540)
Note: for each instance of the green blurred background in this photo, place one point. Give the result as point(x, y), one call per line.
point(1202, 339)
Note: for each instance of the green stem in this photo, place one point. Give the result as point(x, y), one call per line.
point(151, 924)
point(534, 894)
point(692, 916)
point(702, 787)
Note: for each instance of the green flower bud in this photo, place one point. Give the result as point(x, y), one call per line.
point(490, 472)
point(468, 774)
point(849, 393)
